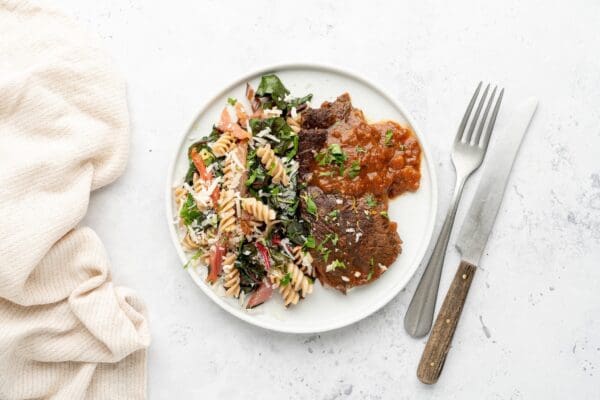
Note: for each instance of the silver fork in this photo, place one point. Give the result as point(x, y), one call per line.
point(470, 146)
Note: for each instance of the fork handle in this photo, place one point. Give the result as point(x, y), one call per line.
point(438, 345)
point(419, 316)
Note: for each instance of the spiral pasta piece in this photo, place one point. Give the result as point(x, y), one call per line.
point(258, 210)
point(189, 243)
point(197, 182)
point(229, 171)
point(299, 256)
point(224, 143)
point(294, 123)
point(273, 164)
point(180, 196)
point(287, 291)
point(232, 171)
point(299, 281)
point(227, 212)
point(205, 258)
point(231, 277)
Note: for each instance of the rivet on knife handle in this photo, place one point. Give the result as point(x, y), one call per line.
point(438, 345)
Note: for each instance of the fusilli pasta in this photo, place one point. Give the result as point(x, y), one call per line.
point(299, 256)
point(180, 196)
point(294, 123)
point(231, 171)
point(227, 212)
point(231, 277)
point(299, 281)
point(224, 143)
point(287, 291)
point(189, 243)
point(273, 164)
point(258, 210)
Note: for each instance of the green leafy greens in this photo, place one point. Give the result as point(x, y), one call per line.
point(388, 137)
point(333, 155)
point(189, 211)
point(272, 93)
point(370, 199)
point(354, 170)
point(311, 207)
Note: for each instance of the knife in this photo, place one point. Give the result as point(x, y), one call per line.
point(472, 238)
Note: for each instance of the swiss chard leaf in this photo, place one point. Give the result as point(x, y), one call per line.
point(296, 231)
point(189, 211)
point(299, 101)
point(272, 86)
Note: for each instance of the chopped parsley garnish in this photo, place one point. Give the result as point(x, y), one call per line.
point(325, 173)
point(402, 147)
point(323, 250)
point(370, 275)
point(354, 170)
point(334, 214)
point(336, 150)
point(388, 137)
point(287, 278)
point(360, 149)
point(334, 239)
point(370, 199)
point(384, 214)
point(326, 255)
point(337, 264)
point(330, 236)
point(334, 155)
point(311, 207)
point(189, 211)
point(372, 261)
point(232, 101)
point(310, 242)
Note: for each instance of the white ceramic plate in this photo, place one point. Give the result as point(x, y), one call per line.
point(415, 213)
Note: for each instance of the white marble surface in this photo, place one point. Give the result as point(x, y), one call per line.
point(538, 290)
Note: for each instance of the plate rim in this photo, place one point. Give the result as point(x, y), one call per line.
point(387, 296)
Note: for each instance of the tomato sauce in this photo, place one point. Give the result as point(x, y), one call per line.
point(382, 158)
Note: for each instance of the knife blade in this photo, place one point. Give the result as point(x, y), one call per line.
point(486, 203)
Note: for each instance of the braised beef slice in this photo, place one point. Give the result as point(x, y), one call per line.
point(328, 114)
point(310, 141)
point(366, 239)
point(313, 135)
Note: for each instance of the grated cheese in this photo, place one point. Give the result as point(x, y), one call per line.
point(358, 235)
point(273, 112)
point(273, 138)
point(236, 159)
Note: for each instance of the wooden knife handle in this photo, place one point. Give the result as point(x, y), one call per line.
point(438, 345)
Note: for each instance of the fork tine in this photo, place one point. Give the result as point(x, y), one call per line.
point(467, 138)
point(485, 140)
point(463, 123)
point(484, 118)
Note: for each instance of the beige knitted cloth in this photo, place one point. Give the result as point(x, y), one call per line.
point(66, 331)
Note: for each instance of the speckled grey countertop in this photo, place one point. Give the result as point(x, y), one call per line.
point(531, 326)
